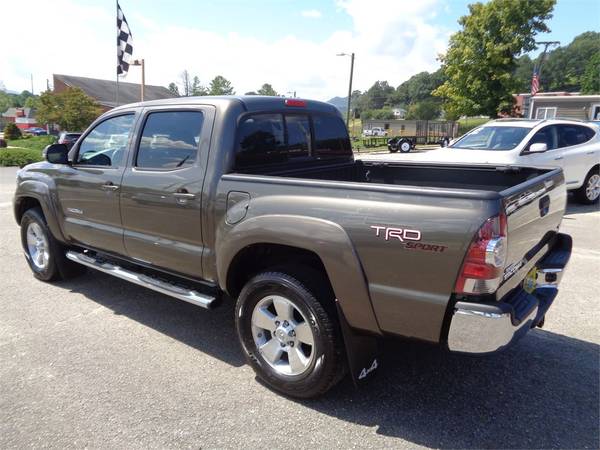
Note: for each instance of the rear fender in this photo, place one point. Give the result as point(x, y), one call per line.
point(326, 239)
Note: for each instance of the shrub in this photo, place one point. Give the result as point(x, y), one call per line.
point(2, 143)
point(11, 131)
point(33, 142)
point(19, 156)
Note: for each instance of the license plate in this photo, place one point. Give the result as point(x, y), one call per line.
point(530, 281)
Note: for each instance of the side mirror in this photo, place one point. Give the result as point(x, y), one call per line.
point(56, 154)
point(538, 147)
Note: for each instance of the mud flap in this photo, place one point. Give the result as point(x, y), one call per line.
point(361, 351)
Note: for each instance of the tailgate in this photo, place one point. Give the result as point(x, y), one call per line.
point(534, 212)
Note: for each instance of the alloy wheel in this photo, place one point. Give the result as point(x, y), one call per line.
point(37, 246)
point(283, 335)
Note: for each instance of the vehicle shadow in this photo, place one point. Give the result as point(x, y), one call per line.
point(542, 393)
point(574, 208)
point(211, 332)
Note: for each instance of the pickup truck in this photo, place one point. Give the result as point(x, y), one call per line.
point(260, 201)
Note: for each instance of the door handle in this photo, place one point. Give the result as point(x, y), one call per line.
point(183, 194)
point(558, 158)
point(110, 186)
point(591, 153)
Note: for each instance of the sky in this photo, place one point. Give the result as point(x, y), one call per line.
point(290, 44)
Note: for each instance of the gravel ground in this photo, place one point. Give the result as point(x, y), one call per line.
point(97, 362)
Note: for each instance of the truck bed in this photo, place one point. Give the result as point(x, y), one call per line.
point(472, 177)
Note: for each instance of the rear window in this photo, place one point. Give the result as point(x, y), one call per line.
point(267, 139)
point(331, 137)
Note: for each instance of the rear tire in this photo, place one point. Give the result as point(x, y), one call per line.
point(275, 305)
point(589, 192)
point(44, 254)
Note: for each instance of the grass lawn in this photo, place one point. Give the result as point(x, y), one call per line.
point(27, 150)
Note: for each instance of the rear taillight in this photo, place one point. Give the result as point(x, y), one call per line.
point(483, 267)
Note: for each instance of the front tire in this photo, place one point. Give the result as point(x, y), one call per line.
point(293, 344)
point(589, 192)
point(44, 254)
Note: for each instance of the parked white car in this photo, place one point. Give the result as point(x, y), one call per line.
point(375, 131)
point(570, 144)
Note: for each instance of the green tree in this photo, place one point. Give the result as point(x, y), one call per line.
point(417, 88)
point(71, 109)
point(220, 86)
point(564, 67)
point(251, 93)
point(428, 109)
point(30, 102)
point(590, 82)
point(481, 58)
point(173, 89)
point(267, 89)
point(523, 73)
point(11, 131)
point(378, 95)
point(197, 88)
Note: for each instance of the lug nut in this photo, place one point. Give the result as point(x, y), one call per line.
point(282, 344)
point(292, 333)
point(277, 323)
point(285, 323)
point(291, 343)
point(259, 334)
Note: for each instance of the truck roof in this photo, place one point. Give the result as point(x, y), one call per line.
point(248, 102)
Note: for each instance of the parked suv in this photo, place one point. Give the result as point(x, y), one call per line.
point(68, 138)
point(570, 144)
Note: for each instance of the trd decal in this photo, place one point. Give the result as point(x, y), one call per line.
point(425, 247)
point(396, 233)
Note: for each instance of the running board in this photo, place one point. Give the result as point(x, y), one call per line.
point(164, 287)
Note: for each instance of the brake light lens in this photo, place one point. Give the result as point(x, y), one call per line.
point(294, 102)
point(483, 267)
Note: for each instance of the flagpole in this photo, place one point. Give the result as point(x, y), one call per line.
point(117, 72)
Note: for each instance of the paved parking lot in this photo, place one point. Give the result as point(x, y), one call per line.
point(97, 362)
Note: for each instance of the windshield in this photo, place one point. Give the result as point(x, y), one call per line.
point(492, 138)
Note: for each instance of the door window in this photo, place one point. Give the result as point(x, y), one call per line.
point(107, 143)
point(170, 140)
point(569, 135)
point(546, 135)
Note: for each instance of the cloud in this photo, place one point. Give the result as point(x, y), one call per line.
point(392, 41)
point(312, 14)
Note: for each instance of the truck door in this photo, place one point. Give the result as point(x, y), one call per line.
point(161, 197)
point(88, 190)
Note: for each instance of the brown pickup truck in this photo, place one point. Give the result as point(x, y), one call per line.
point(260, 198)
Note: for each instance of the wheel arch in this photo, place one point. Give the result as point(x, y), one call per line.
point(295, 239)
point(31, 194)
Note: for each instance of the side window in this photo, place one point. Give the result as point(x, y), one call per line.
point(569, 135)
point(298, 135)
point(331, 137)
point(546, 135)
point(170, 140)
point(107, 143)
point(260, 141)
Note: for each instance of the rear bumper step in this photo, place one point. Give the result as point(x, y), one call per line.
point(164, 287)
point(480, 328)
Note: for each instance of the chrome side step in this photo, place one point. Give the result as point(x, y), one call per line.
point(164, 287)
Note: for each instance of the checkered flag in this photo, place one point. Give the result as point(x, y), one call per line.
point(124, 44)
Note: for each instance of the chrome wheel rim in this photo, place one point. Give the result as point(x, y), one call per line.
point(283, 335)
point(405, 146)
point(37, 246)
point(592, 190)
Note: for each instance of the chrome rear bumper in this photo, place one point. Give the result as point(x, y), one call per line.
point(480, 328)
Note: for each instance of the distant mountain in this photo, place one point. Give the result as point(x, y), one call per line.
point(340, 103)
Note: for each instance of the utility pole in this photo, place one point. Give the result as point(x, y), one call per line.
point(351, 55)
point(140, 62)
point(537, 68)
point(546, 44)
point(32, 93)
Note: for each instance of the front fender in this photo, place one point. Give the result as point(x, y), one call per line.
point(44, 194)
point(326, 239)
